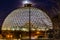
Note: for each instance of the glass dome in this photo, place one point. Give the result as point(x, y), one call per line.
point(19, 20)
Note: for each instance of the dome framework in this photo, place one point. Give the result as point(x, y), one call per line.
point(27, 23)
point(19, 17)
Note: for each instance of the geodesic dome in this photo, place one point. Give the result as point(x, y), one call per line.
point(19, 19)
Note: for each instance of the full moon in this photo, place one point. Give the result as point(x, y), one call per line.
point(26, 2)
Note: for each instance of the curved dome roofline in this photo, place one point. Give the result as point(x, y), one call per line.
point(17, 15)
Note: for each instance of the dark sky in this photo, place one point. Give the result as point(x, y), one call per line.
point(6, 6)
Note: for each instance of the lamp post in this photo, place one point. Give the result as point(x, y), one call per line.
point(29, 22)
point(29, 5)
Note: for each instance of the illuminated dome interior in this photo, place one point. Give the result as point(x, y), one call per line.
point(19, 19)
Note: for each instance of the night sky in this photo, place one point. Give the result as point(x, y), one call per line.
point(49, 6)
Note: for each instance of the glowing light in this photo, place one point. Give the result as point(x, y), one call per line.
point(35, 37)
point(32, 29)
point(24, 29)
point(13, 29)
point(26, 2)
point(9, 36)
point(38, 32)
